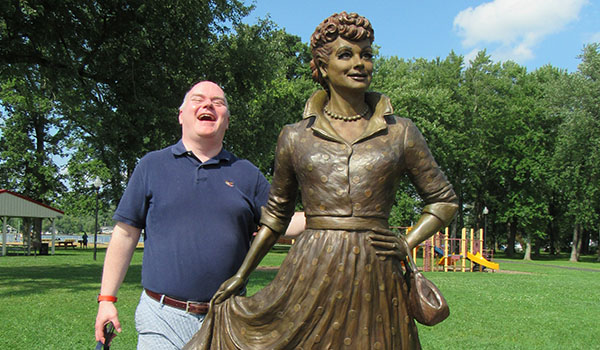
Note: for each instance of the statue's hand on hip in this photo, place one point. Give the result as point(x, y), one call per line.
point(388, 244)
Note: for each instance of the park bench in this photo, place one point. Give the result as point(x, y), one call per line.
point(19, 249)
point(15, 248)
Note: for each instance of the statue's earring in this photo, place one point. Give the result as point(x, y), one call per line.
point(323, 70)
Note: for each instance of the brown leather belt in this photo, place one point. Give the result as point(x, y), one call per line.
point(193, 307)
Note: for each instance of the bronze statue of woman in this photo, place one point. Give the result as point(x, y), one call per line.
point(341, 284)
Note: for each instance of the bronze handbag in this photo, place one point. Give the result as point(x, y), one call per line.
point(425, 301)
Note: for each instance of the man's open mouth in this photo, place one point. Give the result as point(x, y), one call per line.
point(208, 117)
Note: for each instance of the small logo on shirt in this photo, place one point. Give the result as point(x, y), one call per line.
point(229, 183)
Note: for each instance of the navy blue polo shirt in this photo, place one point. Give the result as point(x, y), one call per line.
point(198, 218)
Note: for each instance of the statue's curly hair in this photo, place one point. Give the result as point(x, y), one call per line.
point(350, 26)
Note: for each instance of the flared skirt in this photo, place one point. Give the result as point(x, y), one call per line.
point(331, 292)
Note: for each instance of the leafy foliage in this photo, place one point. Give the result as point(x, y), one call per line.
point(29, 139)
point(504, 138)
point(99, 82)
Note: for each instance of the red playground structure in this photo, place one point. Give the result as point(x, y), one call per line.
point(442, 253)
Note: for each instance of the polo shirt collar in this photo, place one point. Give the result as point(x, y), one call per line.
point(179, 150)
point(379, 104)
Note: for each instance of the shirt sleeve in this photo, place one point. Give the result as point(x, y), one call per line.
point(133, 207)
point(261, 194)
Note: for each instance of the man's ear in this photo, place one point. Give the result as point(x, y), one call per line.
point(179, 117)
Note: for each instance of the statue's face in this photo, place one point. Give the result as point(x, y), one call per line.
point(350, 65)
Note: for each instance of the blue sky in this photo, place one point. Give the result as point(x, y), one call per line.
point(532, 33)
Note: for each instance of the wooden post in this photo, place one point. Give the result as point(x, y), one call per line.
point(471, 241)
point(414, 254)
point(53, 238)
point(414, 251)
point(4, 230)
point(463, 249)
point(481, 246)
point(432, 255)
point(425, 267)
point(446, 251)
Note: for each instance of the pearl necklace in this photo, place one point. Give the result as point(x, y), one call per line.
point(346, 118)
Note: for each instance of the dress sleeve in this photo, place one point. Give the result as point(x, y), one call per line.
point(424, 172)
point(284, 188)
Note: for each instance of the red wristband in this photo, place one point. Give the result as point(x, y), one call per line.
point(107, 298)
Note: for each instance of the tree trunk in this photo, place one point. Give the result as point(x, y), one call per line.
point(36, 235)
point(510, 245)
point(576, 243)
point(585, 242)
point(523, 244)
point(598, 245)
point(527, 242)
point(552, 231)
point(458, 219)
point(551, 238)
point(537, 246)
point(453, 227)
point(27, 228)
point(491, 237)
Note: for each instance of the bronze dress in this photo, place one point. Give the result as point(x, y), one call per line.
point(332, 291)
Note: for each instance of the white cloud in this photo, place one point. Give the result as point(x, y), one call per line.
point(471, 56)
point(513, 28)
point(594, 38)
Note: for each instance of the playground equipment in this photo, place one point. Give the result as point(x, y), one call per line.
point(442, 253)
point(479, 259)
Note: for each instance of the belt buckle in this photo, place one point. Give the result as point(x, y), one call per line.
point(187, 306)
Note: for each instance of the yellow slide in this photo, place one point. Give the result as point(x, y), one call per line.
point(477, 258)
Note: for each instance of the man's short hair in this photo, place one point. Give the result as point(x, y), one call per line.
point(198, 82)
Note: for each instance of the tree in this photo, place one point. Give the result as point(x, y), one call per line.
point(577, 155)
point(426, 92)
point(117, 70)
point(30, 137)
point(512, 148)
point(547, 81)
point(267, 81)
point(489, 128)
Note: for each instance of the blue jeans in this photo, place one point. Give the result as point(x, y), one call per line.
point(162, 327)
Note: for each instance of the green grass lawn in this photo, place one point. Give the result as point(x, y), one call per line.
point(49, 302)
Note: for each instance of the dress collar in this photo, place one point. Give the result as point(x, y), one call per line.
point(379, 104)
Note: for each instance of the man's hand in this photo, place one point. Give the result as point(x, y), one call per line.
point(387, 243)
point(107, 312)
point(228, 288)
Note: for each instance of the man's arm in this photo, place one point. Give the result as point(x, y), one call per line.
point(118, 257)
point(297, 224)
